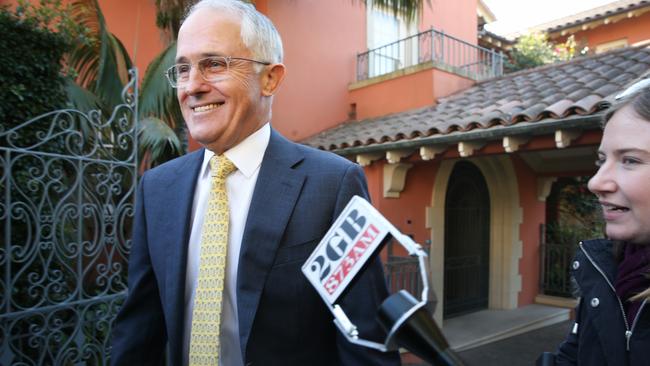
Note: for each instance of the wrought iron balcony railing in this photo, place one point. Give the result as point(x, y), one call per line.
point(444, 51)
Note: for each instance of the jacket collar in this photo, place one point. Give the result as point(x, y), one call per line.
point(600, 252)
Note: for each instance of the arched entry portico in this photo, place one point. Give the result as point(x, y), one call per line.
point(505, 247)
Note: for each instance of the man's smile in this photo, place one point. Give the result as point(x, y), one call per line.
point(207, 107)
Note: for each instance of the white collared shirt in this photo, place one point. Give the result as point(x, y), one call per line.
point(247, 157)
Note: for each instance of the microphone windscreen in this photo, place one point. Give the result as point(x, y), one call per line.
point(411, 327)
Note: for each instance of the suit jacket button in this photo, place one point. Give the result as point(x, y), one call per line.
point(595, 302)
point(576, 265)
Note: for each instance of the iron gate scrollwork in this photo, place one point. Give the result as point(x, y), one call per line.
point(67, 187)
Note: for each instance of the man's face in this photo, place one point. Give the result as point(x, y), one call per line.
point(222, 113)
point(621, 182)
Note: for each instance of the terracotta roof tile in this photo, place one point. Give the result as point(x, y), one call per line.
point(622, 77)
point(486, 120)
point(532, 94)
point(587, 76)
point(606, 90)
point(641, 57)
point(570, 88)
point(568, 80)
point(596, 83)
point(638, 68)
point(559, 109)
point(544, 83)
point(579, 94)
point(600, 12)
point(552, 98)
point(548, 93)
point(508, 107)
point(587, 105)
point(627, 64)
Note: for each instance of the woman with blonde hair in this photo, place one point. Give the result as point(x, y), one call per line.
point(612, 324)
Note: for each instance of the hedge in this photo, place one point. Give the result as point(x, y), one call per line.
point(31, 82)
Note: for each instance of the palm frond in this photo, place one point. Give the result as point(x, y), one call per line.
point(157, 141)
point(112, 73)
point(102, 66)
point(169, 15)
point(84, 101)
point(85, 58)
point(157, 97)
point(81, 99)
point(407, 8)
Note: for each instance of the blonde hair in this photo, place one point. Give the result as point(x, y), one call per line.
point(642, 295)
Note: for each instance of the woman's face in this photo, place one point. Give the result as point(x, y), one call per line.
point(622, 183)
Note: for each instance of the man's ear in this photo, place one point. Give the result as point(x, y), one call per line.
point(272, 79)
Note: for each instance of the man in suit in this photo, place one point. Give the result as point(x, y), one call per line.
point(281, 199)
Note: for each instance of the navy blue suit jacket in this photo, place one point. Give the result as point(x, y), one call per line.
point(282, 320)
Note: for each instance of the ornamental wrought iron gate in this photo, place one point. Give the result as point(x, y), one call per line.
point(67, 187)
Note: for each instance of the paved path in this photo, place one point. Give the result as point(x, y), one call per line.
point(520, 350)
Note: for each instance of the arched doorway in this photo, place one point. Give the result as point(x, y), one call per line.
point(467, 241)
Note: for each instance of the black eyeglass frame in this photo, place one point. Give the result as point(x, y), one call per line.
point(169, 73)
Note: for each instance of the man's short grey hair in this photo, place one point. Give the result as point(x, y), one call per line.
point(257, 31)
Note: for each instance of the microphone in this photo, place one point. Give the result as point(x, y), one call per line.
point(409, 325)
point(354, 238)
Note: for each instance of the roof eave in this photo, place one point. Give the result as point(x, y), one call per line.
point(592, 19)
point(520, 129)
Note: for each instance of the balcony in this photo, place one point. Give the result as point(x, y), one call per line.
point(442, 51)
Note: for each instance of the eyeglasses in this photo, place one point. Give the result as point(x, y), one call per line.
point(212, 69)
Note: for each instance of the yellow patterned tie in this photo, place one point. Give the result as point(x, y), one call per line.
point(206, 315)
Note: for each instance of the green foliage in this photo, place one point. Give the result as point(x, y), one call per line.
point(169, 14)
point(102, 74)
point(102, 65)
point(573, 212)
point(534, 49)
point(161, 121)
point(157, 142)
point(54, 16)
point(157, 97)
point(30, 61)
point(407, 8)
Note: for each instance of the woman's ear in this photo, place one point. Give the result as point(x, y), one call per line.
point(272, 79)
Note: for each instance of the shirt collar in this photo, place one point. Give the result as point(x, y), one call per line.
point(248, 154)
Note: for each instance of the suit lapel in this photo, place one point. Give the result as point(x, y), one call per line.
point(276, 192)
point(175, 212)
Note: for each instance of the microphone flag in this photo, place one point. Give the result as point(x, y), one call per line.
point(354, 238)
point(349, 243)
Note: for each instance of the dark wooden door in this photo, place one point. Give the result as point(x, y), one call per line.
point(467, 241)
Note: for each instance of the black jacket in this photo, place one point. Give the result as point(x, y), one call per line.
point(602, 334)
